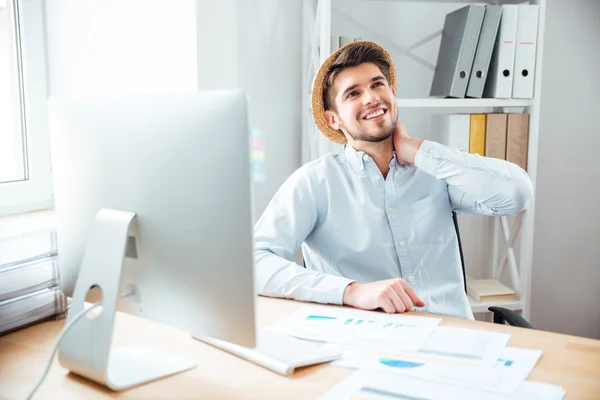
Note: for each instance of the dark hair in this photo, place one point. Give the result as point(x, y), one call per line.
point(350, 57)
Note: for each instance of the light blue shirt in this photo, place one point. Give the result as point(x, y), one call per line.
point(354, 225)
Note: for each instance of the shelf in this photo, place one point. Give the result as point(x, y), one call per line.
point(483, 307)
point(462, 103)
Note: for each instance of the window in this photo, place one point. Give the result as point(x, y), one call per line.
point(25, 176)
point(13, 153)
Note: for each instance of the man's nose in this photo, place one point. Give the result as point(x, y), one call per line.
point(370, 96)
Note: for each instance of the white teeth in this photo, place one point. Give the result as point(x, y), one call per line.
point(375, 114)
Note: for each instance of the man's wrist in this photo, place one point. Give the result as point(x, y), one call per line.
point(410, 147)
point(348, 293)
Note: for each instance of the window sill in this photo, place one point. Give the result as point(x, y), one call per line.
point(30, 222)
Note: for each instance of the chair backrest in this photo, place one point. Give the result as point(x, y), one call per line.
point(462, 258)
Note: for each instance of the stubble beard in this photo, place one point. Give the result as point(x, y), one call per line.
point(383, 133)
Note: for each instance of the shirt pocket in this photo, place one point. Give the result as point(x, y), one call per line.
point(432, 218)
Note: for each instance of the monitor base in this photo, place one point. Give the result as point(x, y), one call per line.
point(86, 348)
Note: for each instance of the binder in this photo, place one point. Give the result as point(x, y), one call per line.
point(483, 54)
point(457, 50)
point(477, 134)
point(451, 130)
point(525, 51)
point(495, 135)
point(499, 82)
point(517, 139)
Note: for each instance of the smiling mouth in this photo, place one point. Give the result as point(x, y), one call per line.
point(375, 114)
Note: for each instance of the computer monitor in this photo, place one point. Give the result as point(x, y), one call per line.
point(153, 192)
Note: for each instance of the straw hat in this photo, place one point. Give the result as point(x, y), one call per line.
point(318, 108)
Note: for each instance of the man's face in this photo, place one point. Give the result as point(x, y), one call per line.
point(366, 104)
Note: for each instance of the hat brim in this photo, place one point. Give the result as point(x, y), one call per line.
point(318, 108)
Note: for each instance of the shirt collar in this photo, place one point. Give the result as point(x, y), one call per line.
point(358, 159)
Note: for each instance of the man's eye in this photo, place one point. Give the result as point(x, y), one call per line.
point(378, 84)
point(352, 94)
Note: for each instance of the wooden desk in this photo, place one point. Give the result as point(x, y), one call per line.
point(567, 361)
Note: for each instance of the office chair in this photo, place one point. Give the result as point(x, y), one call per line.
point(501, 315)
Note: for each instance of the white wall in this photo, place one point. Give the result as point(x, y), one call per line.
point(566, 274)
point(271, 56)
point(123, 46)
point(142, 46)
point(150, 46)
point(255, 46)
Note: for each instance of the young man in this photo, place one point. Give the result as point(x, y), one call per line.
point(375, 222)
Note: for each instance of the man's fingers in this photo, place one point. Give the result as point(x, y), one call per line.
point(396, 300)
point(413, 295)
point(386, 304)
point(408, 303)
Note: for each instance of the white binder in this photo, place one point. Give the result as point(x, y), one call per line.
point(485, 48)
point(457, 51)
point(499, 83)
point(525, 51)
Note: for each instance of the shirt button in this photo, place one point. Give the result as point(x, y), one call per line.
point(377, 178)
point(409, 278)
point(390, 210)
point(366, 158)
point(402, 244)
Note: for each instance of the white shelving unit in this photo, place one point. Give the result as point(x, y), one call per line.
point(316, 35)
point(472, 104)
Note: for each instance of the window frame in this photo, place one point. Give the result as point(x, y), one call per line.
point(34, 193)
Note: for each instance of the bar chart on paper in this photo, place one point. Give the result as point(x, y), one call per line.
point(363, 328)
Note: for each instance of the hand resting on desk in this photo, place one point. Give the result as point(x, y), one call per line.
point(391, 295)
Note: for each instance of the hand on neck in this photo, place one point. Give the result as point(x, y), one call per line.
point(380, 152)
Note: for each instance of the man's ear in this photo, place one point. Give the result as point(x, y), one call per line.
point(332, 119)
point(393, 90)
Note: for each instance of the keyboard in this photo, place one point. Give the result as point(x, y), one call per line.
point(278, 352)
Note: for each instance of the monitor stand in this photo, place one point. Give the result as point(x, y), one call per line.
point(86, 348)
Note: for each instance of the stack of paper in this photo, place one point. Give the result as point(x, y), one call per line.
point(374, 385)
point(350, 326)
point(483, 347)
point(437, 361)
point(505, 376)
point(484, 290)
point(29, 280)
